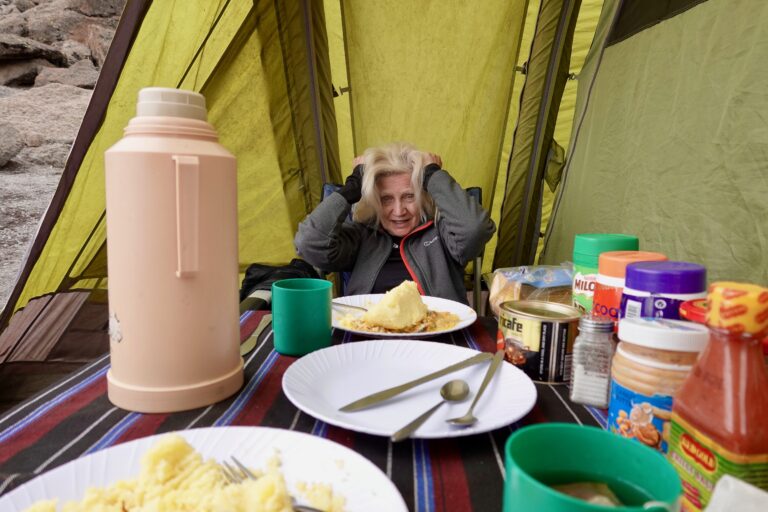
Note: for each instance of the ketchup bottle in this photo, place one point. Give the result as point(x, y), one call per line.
point(720, 413)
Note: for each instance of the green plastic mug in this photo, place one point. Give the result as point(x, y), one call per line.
point(301, 315)
point(542, 455)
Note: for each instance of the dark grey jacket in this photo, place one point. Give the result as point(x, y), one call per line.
point(435, 253)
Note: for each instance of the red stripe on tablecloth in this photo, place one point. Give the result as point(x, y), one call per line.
point(269, 389)
point(535, 416)
point(145, 426)
point(32, 433)
point(249, 324)
point(449, 480)
point(484, 341)
point(342, 436)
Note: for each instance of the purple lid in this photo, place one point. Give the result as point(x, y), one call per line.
point(666, 277)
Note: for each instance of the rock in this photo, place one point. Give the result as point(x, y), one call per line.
point(24, 5)
point(14, 47)
point(51, 113)
point(7, 91)
point(5, 10)
point(49, 24)
point(22, 72)
point(24, 196)
point(81, 74)
point(74, 51)
point(13, 23)
point(54, 155)
point(98, 39)
point(97, 8)
point(11, 142)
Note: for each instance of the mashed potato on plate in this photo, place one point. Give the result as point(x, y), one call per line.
point(175, 478)
point(400, 310)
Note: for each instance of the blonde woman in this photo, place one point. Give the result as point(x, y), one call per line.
point(410, 221)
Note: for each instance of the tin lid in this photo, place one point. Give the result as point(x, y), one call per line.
point(667, 277)
point(738, 307)
point(541, 310)
point(664, 334)
point(588, 246)
point(694, 310)
point(614, 263)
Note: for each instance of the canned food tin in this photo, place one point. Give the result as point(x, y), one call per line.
point(538, 337)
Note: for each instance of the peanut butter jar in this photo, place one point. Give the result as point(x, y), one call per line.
point(652, 359)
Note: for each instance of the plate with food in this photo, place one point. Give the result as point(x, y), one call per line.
point(324, 381)
point(400, 313)
point(183, 471)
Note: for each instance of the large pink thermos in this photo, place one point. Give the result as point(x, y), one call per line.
point(172, 259)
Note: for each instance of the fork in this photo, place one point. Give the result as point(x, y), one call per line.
point(238, 472)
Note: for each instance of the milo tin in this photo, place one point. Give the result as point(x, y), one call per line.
point(538, 337)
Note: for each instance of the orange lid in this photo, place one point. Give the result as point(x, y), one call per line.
point(738, 307)
point(614, 263)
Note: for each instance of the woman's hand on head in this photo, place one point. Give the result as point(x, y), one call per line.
point(360, 159)
point(432, 158)
point(429, 159)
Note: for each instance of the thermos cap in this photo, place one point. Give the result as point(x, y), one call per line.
point(165, 101)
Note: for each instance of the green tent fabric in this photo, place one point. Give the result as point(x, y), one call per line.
point(670, 138)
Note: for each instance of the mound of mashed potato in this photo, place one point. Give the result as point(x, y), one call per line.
point(175, 478)
point(400, 308)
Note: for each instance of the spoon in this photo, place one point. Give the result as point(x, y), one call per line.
point(469, 418)
point(452, 391)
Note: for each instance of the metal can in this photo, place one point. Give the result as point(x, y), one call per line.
point(538, 337)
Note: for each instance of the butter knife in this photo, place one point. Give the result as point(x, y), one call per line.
point(386, 394)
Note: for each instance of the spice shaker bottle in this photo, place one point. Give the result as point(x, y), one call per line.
point(592, 354)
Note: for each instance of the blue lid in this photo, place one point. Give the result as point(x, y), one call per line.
point(666, 277)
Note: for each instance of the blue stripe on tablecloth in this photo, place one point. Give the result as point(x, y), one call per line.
point(40, 411)
point(471, 343)
point(114, 433)
point(599, 415)
point(231, 413)
point(425, 490)
point(246, 314)
point(320, 429)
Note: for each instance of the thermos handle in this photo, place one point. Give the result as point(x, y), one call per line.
point(187, 214)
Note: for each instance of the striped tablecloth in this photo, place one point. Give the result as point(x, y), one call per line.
point(75, 418)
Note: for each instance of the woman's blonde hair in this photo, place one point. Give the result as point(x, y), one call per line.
point(395, 158)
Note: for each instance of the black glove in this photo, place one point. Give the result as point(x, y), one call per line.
point(428, 172)
point(352, 189)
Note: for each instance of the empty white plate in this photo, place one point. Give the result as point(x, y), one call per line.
point(323, 381)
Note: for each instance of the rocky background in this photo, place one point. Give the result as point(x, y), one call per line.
point(50, 55)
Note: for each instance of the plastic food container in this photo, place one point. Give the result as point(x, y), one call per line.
point(610, 279)
point(658, 288)
point(587, 248)
point(652, 359)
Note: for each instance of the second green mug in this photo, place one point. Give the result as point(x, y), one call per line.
point(540, 456)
